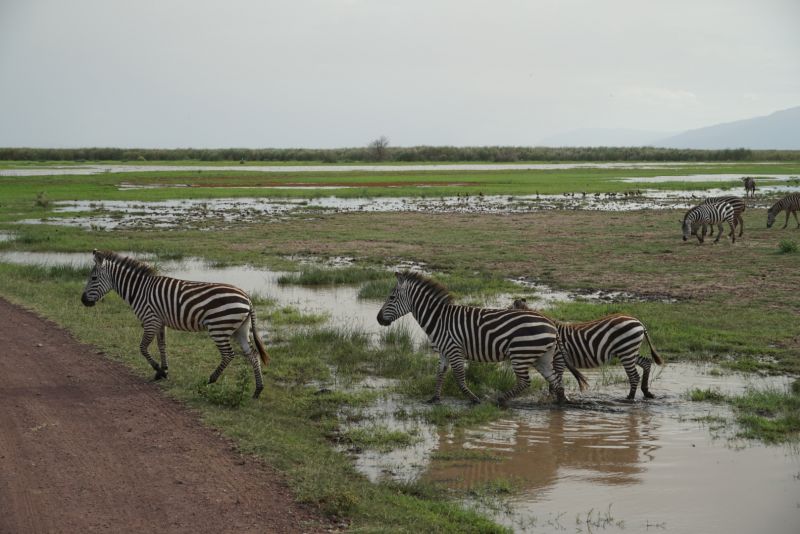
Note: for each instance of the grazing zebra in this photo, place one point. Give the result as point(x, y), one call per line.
point(461, 333)
point(738, 205)
point(594, 343)
point(708, 214)
point(160, 302)
point(749, 186)
point(790, 203)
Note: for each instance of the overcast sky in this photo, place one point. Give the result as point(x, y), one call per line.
point(339, 73)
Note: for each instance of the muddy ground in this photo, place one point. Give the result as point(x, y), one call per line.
point(86, 446)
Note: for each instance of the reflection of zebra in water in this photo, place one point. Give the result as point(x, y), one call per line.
point(160, 302)
point(749, 186)
point(738, 206)
point(706, 215)
point(790, 203)
point(594, 343)
point(461, 333)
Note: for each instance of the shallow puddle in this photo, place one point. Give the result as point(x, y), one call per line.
point(654, 463)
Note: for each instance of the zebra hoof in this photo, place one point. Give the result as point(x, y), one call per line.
point(502, 403)
point(475, 401)
point(257, 392)
point(434, 400)
point(159, 375)
point(648, 395)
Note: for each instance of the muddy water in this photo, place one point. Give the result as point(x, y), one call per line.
point(652, 462)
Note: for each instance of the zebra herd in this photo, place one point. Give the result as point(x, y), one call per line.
point(524, 337)
point(728, 209)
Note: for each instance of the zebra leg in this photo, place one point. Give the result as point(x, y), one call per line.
point(545, 365)
point(733, 232)
point(523, 372)
point(787, 219)
point(633, 375)
point(243, 337)
point(719, 232)
point(161, 339)
point(741, 224)
point(440, 372)
point(645, 364)
point(711, 230)
point(795, 218)
point(459, 372)
point(150, 331)
point(226, 352)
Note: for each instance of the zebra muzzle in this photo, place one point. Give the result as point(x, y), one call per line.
point(382, 321)
point(86, 302)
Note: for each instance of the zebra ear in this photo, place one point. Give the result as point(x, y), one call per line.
point(98, 259)
point(399, 276)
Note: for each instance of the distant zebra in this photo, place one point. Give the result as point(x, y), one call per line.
point(738, 205)
point(708, 214)
point(160, 302)
point(461, 333)
point(749, 186)
point(594, 343)
point(790, 203)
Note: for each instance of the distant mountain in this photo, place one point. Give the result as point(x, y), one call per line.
point(780, 131)
point(604, 137)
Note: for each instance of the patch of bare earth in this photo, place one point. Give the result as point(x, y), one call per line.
point(86, 446)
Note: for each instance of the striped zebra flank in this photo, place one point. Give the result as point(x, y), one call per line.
point(738, 205)
point(460, 333)
point(591, 344)
point(790, 203)
point(159, 302)
point(706, 215)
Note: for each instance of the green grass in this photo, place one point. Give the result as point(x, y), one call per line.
point(705, 395)
point(378, 437)
point(316, 276)
point(787, 246)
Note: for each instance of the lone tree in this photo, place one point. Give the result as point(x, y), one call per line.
point(378, 148)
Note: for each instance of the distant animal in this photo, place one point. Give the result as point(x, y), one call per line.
point(790, 203)
point(706, 215)
point(594, 343)
point(160, 302)
point(460, 333)
point(749, 186)
point(738, 205)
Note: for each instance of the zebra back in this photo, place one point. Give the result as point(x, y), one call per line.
point(709, 214)
point(789, 202)
point(737, 203)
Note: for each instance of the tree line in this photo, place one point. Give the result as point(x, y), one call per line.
point(382, 152)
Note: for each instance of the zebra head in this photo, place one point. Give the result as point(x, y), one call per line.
point(397, 303)
point(99, 282)
point(688, 228)
point(771, 215)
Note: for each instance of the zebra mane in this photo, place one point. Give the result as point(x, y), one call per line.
point(437, 289)
point(127, 262)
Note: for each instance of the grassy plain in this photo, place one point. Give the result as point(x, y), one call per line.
point(735, 304)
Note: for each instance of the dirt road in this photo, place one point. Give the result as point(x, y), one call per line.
point(85, 446)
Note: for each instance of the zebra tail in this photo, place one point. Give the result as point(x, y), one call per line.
point(656, 357)
point(262, 350)
point(582, 382)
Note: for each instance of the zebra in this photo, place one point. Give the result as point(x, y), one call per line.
point(790, 203)
point(738, 205)
point(594, 343)
point(749, 186)
point(161, 301)
point(708, 214)
point(461, 333)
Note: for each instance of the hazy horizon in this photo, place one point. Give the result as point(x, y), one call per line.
point(340, 73)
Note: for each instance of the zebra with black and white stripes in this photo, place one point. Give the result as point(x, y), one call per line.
point(790, 203)
point(749, 186)
point(738, 205)
point(160, 302)
point(706, 215)
point(594, 343)
point(460, 333)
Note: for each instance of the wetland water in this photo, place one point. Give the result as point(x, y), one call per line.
point(220, 212)
point(663, 465)
point(91, 169)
